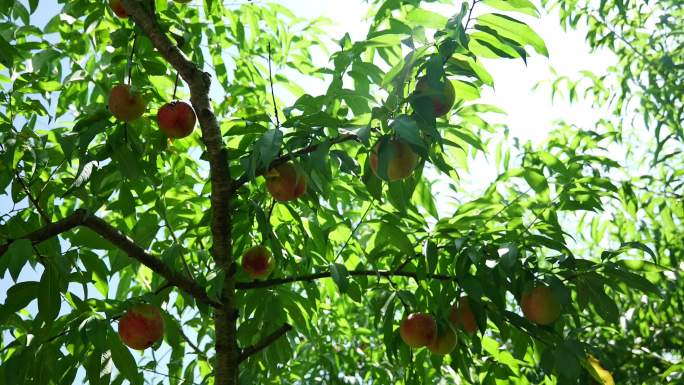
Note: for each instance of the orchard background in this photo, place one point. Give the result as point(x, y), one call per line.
point(101, 216)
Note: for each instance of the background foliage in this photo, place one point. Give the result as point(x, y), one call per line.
point(595, 212)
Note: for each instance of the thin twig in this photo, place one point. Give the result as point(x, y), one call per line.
point(29, 195)
point(270, 211)
point(363, 218)
point(200, 354)
point(175, 240)
point(406, 262)
point(328, 274)
point(162, 288)
point(169, 376)
point(507, 205)
point(49, 178)
point(31, 198)
point(130, 58)
point(175, 86)
point(623, 39)
point(269, 339)
point(270, 78)
point(470, 14)
point(242, 180)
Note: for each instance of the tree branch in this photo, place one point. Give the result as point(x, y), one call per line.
point(270, 78)
point(269, 339)
point(148, 23)
point(351, 235)
point(155, 264)
point(50, 230)
point(327, 274)
point(23, 185)
point(80, 217)
point(200, 354)
point(31, 198)
point(242, 180)
point(470, 14)
point(225, 318)
point(198, 81)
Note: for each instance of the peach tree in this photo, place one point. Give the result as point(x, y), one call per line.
point(166, 159)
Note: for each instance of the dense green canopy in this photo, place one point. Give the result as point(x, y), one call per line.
point(100, 214)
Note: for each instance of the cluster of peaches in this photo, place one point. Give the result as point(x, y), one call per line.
point(287, 181)
point(422, 330)
point(176, 119)
point(142, 325)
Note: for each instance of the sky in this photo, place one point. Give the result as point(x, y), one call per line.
point(530, 113)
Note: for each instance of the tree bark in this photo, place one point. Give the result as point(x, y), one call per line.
point(227, 352)
point(81, 217)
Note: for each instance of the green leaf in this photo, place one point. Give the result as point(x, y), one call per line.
point(522, 6)
point(535, 179)
point(472, 286)
point(384, 40)
point(49, 86)
point(372, 183)
point(509, 255)
point(431, 254)
point(567, 363)
point(85, 237)
point(552, 162)
point(49, 299)
point(407, 130)
point(515, 30)
point(632, 280)
point(123, 359)
point(33, 5)
point(465, 90)
point(98, 270)
point(391, 234)
point(340, 275)
point(408, 298)
point(424, 18)
point(99, 367)
point(93, 330)
point(19, 296)
point(7, 52)
point(540, 240)
point(268, 146)
point(486, 45)
point(627, 246)
point(18, 254)
point(604, 305)
point(294, 305)
point(672, 369)
point(128, 162)
point(387, 317)
point(364, 135)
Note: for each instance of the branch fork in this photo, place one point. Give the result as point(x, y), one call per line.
point(81, 217)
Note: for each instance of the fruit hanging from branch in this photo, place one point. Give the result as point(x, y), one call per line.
point(540, 305)
point(462, 315)
point(401, 162)
point(418, 330)
point(258, 262)
point(118, 9)
point(286, 182)
point(176, 119)
point(125, 103)
point(445, 342)
point(141, 327)
point(441, 98)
